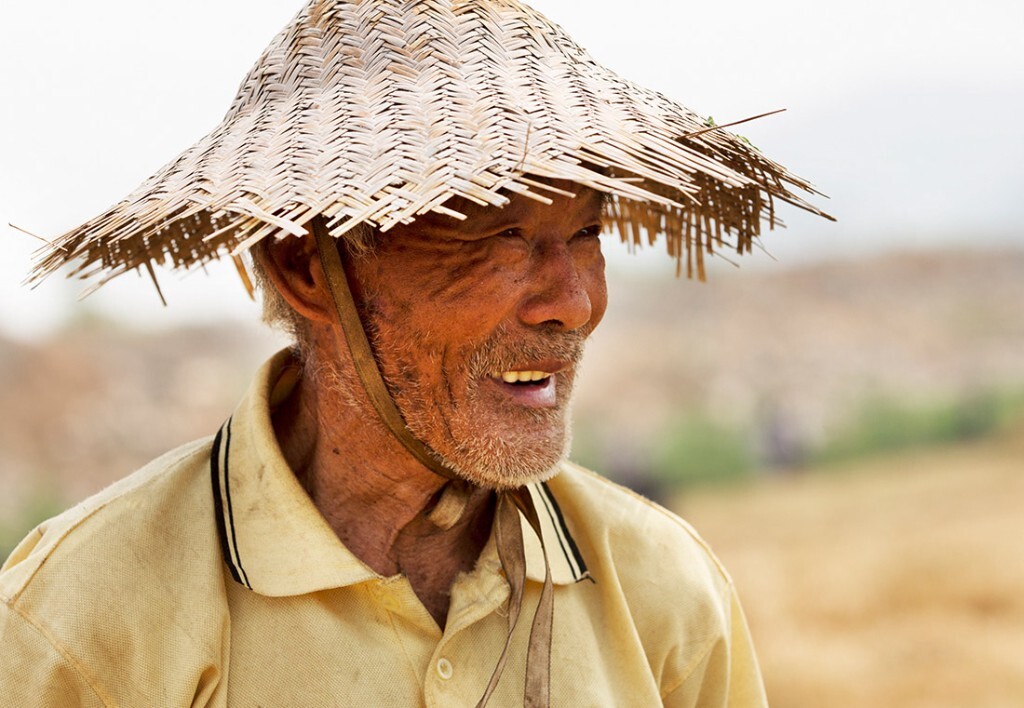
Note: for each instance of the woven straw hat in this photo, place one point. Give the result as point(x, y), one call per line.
point(377, 111)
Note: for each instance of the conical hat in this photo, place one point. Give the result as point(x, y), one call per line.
point(377, 111)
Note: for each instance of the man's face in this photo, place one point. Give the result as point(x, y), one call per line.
point(478, 327)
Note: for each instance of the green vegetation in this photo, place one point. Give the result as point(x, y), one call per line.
point(691, 450)
point(697, 450)
point(889, 425)
point(41, 505)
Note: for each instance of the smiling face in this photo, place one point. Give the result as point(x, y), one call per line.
point(478, 327)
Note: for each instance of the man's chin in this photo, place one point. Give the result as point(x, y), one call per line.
point(486, 479)
point(501, 463)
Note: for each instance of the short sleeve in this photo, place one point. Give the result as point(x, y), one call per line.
point(35, 672)
point(727, 674)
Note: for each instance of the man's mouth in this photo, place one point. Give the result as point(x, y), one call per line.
point(524, 377)
point(532, 388)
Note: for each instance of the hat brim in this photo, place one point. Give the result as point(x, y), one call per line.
point(369, 115)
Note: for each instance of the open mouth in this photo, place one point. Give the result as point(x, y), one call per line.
point(529, 388)
point(525, 378)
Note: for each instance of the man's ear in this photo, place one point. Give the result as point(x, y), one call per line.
point(292, 265)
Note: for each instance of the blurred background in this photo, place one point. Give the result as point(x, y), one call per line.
point(842, 417)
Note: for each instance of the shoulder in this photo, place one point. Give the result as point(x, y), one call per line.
point(78, 594)
point(638, 535)
point(129, 517)
point(655, 562)
point(655, 574)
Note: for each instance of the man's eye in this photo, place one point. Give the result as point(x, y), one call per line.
point(508, 234)
point(590, 231)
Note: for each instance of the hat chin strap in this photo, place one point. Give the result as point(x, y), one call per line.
point(456, 492)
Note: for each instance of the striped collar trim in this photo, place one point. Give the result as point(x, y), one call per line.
point(223, 508)
point(274, 540)
point(566, 561)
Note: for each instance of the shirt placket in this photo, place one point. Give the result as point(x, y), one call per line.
point(464, 658)
point(414, 629)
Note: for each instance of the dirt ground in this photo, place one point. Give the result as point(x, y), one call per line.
point(897, 582)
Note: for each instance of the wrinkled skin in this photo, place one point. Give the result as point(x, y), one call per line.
point(448, 304)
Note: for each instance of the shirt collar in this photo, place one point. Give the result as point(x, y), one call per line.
point(274, 540)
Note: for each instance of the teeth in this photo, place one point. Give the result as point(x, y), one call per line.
point(524, 376)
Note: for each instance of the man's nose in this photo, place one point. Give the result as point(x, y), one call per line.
point(557, 290)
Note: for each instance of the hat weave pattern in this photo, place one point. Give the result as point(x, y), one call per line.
point(377, 111)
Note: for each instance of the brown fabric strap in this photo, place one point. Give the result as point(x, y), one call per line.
point(512, 553)
point(508, 535)
point(538, 655)
point(362, 352)
point(456, 493)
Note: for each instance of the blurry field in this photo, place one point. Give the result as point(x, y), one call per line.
point(897, 581)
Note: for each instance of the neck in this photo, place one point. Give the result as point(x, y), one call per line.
point(373, 493)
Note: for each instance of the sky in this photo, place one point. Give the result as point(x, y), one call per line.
point(905, 113)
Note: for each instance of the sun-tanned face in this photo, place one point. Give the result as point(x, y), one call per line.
point(479, 325)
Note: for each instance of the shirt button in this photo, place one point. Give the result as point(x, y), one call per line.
point(444, 669)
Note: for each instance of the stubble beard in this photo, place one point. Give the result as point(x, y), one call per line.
point(502, 449)
point(525, 444)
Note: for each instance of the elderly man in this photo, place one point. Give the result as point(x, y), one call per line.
point(388, 517)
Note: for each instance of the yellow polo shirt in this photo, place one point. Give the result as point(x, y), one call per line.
point(208, 578)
